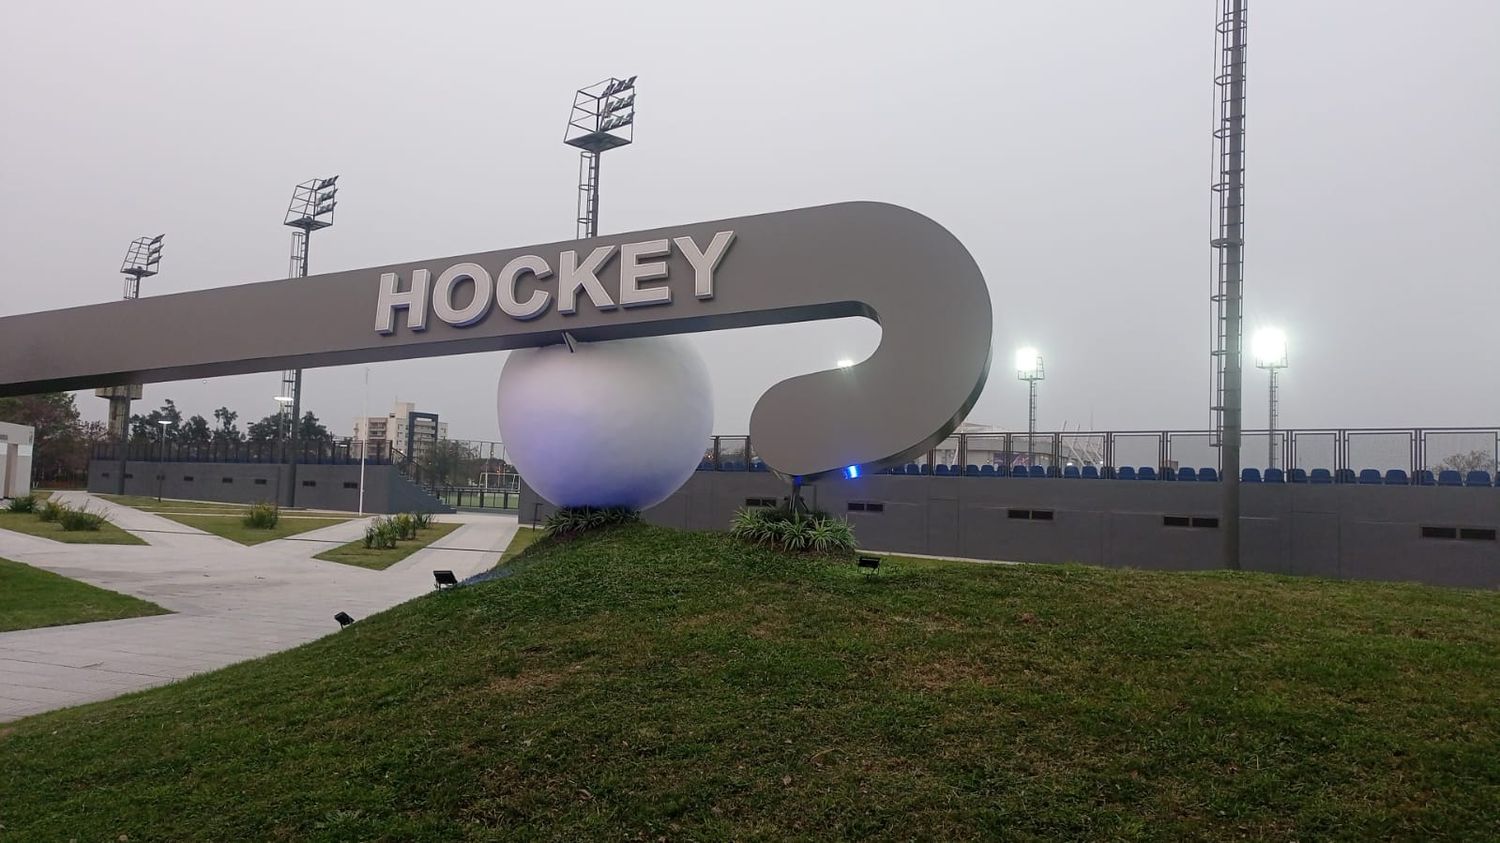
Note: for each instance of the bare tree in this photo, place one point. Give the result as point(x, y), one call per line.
point(1467, 462)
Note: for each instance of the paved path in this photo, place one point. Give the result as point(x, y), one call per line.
point(230, 602)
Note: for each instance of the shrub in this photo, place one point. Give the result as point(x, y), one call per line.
point(405, 526)
point(380, 534)
point(25, 503)
point(793, 531)
point(423, 519)
point(577, 519)
point(51, 511)
point(262, 516)
point(79, 519)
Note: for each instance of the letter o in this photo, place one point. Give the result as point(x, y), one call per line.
point(477, 308)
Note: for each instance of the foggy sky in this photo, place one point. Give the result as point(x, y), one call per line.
point(1066, 144)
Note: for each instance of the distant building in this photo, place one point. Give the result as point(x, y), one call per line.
point(16, 442)
point(410, 432)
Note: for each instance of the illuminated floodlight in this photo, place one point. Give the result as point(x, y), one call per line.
point(1029, 364)
point(845, 362)
point(1269, 347)
point(851, 472)
point(283, 399)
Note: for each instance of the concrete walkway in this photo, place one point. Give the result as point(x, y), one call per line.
point(230, 602)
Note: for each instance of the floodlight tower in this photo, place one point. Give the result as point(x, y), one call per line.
point(603, 118)
point(1229, 244)
point(1269, 347)
point(311, 208)
point(142, 260)
point(1029, 368)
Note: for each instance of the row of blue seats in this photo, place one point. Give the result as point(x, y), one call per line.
point(1367, 477)
point(1317, 476)
point(731, 465)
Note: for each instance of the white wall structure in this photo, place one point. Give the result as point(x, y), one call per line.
point(16, 442)
point(622, 423)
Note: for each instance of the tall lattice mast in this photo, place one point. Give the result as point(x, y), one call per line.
point(603, 118)
point(1229, 246)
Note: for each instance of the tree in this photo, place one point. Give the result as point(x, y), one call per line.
point(226, 430)
point(197, 431)
point(59, 444)
point(149, 428)
point(311, 431)
point(1464, 463)
point(267, 429)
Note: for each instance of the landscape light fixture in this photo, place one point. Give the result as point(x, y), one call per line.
point(870, 564)
point(845, 363)
point(444, 579)
point(311, 209)
point(603, 118)
point(1029, 368)
point(1269, 347)
point(142, 260)
point(343, 619)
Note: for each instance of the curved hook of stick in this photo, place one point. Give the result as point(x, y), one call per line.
point(866, 259)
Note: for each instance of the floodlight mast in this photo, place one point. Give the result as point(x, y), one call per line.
point(603, 118)
point(142, 260)
point(311, 208)
point(1029, 368)
point(1269, 346)
point(1229, 244)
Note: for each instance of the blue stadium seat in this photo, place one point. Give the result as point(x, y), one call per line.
point(1071, 472)
point(706, 465)
point(941, 470)
point(1090, 472)
point(1249, 475)
point(1125, 472)
point(1054, 471)
point(971, 471)
point(1208, 475)
point(1370, 477)
point(1002, 471)
point(925, 468)
point(1145, 472)
point(987, 470)
point(758, 466)
point(1477, 478)
point(1396, 477)
point(1296, 475)
point(1449, 477)
point(1320, 476)
point(955, 469)
point(1423, 478)
point(1275, 475)
point(1036, 471)
point(1186, 474)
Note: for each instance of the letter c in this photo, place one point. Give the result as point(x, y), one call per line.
point(505, 288)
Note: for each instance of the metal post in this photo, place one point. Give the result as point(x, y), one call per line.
point(297, 392)
point(1271, 431)
point(1031, 424)
point(1230, 242)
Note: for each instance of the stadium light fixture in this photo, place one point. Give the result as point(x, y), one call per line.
point(1029, 368)
point(603, 118)
point(311, 209)
point(142, 260)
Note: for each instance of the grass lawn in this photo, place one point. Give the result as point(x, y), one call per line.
point(525, 537)
point(231, 527)
point(355, 553)
point(27, 522)
point(31, 597)
point(643, 683)
point(150, 504)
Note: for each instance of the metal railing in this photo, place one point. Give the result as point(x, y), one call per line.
point(1340, 450)
point(338, 452)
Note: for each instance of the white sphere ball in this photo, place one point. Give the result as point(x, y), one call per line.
point(621, 423)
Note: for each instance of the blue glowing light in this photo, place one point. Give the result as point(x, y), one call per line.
point(851, 472)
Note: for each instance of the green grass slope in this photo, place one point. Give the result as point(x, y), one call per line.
point(649, 684)
point(31, 597)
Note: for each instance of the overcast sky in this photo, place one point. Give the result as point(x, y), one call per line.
point(1066, 144)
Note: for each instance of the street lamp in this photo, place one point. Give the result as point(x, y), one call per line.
point(161, 471)
point(1269, 347)
point(1029, 368)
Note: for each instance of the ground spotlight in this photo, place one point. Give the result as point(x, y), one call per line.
point(444, 579)
point(343, 619)
point(870, 564)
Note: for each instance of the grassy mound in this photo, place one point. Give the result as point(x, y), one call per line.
point(644, 683)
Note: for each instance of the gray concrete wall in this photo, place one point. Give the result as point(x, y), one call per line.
point(1350, 532)
point(16, 443)
point(318, 486)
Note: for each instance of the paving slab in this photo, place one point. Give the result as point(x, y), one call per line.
point(229, 602)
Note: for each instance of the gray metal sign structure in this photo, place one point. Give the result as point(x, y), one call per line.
point(878, 261)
